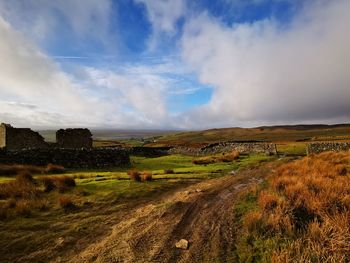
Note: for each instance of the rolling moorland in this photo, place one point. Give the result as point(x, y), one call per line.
point(230, 207)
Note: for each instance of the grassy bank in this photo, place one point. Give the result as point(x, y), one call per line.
point(301, 213)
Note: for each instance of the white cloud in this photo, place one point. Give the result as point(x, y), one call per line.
point(29, 78)
point(35, 92)
point(140, 94)
point(163, 15)
point(263, 73)
point(42, 19)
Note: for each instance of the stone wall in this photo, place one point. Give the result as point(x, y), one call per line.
point(149, 151)
point(74, 138)
point(317, 147)
point(20, 138)
point(69, 158)
point(267, 148)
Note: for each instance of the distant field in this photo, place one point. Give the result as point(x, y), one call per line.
point(278, 134)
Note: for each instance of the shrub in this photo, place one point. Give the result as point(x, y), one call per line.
point(204, 160)
point(49, 184)
point(62, 183)
point(25, 177)
point(66, 202)
point(169, 171)
point(23, 207)
point(135, 175)
point(229, 157)
point(146, 176)
point(54, 169)
point(14, 169)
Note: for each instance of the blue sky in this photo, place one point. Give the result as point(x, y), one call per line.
point(173, 64)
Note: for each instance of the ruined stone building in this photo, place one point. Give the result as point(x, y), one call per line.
point(13, 139)
point(74, 138)
point(20, 138)
point(73, 149)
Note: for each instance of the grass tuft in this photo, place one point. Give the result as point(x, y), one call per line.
point(66, 203)
point(135, 175)
point(146, 176)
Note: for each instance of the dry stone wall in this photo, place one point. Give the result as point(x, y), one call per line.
point(69, 158)
point(267, 148)
point(318, 147)
point(149, 151)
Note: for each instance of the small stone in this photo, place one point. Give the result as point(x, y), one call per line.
point(182, 244)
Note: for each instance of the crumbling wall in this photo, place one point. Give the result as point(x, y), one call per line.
point(21, 138)
point(74, 138)
point(69, 158)
point(149, 151)
point(267, 148)
point(318, 147)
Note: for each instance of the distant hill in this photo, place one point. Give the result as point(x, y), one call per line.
point(280, 133)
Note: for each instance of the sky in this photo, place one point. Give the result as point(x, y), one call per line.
point(174, 64)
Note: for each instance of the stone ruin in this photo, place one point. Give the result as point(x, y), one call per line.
point(74, 138)
point(20, 138)
point(73, 149)
point(14, 139)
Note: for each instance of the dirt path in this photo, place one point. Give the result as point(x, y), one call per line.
point(201, 213)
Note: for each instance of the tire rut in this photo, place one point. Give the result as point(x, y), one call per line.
point(201, 213)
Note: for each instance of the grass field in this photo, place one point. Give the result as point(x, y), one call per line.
point(97, 197)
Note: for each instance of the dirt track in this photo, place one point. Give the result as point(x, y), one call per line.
point(201, 213)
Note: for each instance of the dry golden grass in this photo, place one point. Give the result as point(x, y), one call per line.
point(23, 187)
point(308, 203)
point(14, 169)
point(61, 183)
point(25, 194)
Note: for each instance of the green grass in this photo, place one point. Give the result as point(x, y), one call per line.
point(99, 196)
point(250, 248)
point(181, 163)
point(292, 148)
point(121, 190)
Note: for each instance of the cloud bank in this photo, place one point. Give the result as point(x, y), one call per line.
point(264, 73)
point(261, 72)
